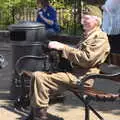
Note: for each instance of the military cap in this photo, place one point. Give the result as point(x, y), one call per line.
point(95, 2)
point(92, 10)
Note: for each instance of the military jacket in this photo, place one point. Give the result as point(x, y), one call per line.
point(90, 54)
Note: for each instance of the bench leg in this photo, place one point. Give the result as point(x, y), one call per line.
point(88, 108)
point(95, 112)
point(87, 112)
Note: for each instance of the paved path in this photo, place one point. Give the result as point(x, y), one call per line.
point(70, 109)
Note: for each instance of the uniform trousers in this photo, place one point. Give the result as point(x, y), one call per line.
point(45, 84)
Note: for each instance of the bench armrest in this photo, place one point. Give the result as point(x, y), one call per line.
point(100, 94)
point(28, 57)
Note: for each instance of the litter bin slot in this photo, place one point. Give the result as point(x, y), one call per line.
point(18, 35)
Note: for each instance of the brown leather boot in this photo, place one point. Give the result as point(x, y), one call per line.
point(40, 114)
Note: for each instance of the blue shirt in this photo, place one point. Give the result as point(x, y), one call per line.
point(49, 13)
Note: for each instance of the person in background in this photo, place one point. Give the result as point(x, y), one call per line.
point(111, 25)
point(85, 58)
point(47, 15)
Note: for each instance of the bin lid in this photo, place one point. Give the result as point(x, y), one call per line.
point(26, 25)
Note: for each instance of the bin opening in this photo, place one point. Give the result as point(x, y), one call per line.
point(18, 35)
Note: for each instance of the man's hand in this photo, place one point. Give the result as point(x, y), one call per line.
point(56, 45)
point(41, 14)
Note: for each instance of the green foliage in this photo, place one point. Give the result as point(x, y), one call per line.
point(9, 7)
point(5, 7)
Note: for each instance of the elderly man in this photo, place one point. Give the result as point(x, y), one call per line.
point(85, 58)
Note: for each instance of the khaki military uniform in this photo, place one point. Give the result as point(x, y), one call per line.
point(85, 60)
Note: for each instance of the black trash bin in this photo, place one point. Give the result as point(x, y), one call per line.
point(26, 39)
